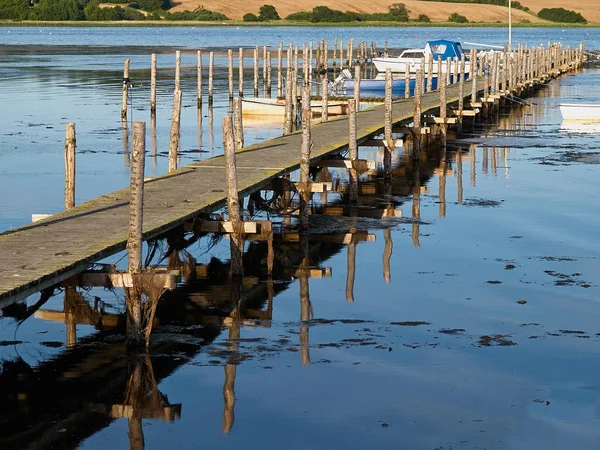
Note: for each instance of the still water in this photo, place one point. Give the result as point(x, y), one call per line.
point(470, 322)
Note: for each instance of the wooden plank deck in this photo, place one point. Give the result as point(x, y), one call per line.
point(38, 255)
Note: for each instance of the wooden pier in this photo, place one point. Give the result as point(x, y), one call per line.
point(39, 255)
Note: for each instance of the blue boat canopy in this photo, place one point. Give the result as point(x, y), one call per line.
point(445, 49)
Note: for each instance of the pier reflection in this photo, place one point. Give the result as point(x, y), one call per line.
point(94, 381)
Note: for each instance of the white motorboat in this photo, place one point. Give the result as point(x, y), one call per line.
point(589, 112)
point(256, 106)
point(410, 60)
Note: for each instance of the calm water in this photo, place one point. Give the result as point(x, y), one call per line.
point(481, 334)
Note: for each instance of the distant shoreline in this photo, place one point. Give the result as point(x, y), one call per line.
point(286, 23)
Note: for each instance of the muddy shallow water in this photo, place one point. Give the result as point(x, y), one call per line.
point(479, 330)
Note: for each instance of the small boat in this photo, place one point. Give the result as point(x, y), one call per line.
point(276, 107)
point(375, 87)
point(410, 59)
point(580, 111)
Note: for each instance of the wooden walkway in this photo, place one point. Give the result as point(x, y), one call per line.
point(36, 256)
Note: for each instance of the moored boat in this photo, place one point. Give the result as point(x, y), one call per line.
point(410, 59)
point(276, 107)
point(580, 111)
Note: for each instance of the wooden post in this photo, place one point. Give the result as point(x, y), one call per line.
point(304, 65)
point(310, 63)
point(443, 102)
point(269, 74)
point(256, 71)
point(341, 54)
point(199, 76)
point(387, 133)
point(305, 159)
point(461, 86)
point(448, 70)
point(407, 84)
point(177, 70)
point(233, 201)
point(211, 67)
point(334, 56)
point(126, 83)
point(153, 84)
point(350, 50)
point(238, 124)
point(134, 241)
point(353, 150)
point(357, 87)
point(230, 72)
point(174, 135)
point(473, 75)
point(264, 77)
point(241, 72)
point(455, 71)
point(70, 145)
point(430, 73)
point(287, 120)
point(279, 68)
point(417, 117)
point(325, 100)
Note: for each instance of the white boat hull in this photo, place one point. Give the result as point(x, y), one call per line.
point(403, 65)
point(580, 112)
point(254, 106)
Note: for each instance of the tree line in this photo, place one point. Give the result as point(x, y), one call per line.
point(80, 10)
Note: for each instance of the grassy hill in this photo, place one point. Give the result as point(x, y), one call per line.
point(437, 11)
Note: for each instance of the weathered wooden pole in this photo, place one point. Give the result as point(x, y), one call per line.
point(357, 77)
point(461, 85)
point(126, 84)
point(417, 118)
point(387, 130)
point(174, 135)
point(264, 75)
point(70, 146)
point(334, 56)
point(341, 54)
point(279, 69)
point(448, 70)
point(238, 124)
point(443, 102)
point(269, 74)
point(325, 100)
point(287, 119)
point(305, 159)
point(241, 72)
point(305, 65)
point(199, 77)
point(153, 84)
point(211, 77)
point(230, 72)
point(352, 150)
point(255, 71)
point(177, 70)
point(430, 73)
point(473, 75)
point(135, 334)
point(233, 201)
point(407, 84)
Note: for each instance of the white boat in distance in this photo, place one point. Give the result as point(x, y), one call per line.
point(255, 106)
point(410, 60)
point(580, 111)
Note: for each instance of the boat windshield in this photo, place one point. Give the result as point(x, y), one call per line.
point(439, 48)
point(412, 54)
